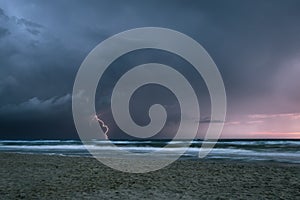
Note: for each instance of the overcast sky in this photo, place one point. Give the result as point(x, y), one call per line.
point(255, 44)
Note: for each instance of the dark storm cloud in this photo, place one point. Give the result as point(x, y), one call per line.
point(42, 45)
point(2, 14)
point(31, 27)
point(3, 32)
point(35, 104)
point(28, 23)
point(3, 17)
point(38, 119)
point(32, 57)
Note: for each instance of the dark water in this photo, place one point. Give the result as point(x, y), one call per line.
point(287, 151)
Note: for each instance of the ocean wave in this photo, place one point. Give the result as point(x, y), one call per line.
point(279, 151)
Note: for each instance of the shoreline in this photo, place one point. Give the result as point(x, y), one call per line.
point(203, 160)
point(51, 176)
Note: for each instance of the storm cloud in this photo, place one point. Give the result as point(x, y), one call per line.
point(255, 44)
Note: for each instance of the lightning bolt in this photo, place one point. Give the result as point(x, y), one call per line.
point(103, 125)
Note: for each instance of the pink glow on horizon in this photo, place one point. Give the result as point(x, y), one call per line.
point(263, 126)
point(277, 135)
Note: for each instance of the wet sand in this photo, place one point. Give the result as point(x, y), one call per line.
point(57, 177)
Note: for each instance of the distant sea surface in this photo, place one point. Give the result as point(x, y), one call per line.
point(286, 151)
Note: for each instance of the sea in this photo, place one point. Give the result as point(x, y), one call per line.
point(284, 151)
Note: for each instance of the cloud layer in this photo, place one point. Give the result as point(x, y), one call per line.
point(255, 44)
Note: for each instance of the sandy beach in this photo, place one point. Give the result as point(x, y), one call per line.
point(57, 177)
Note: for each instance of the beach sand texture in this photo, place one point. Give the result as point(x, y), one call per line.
point(57, 177)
